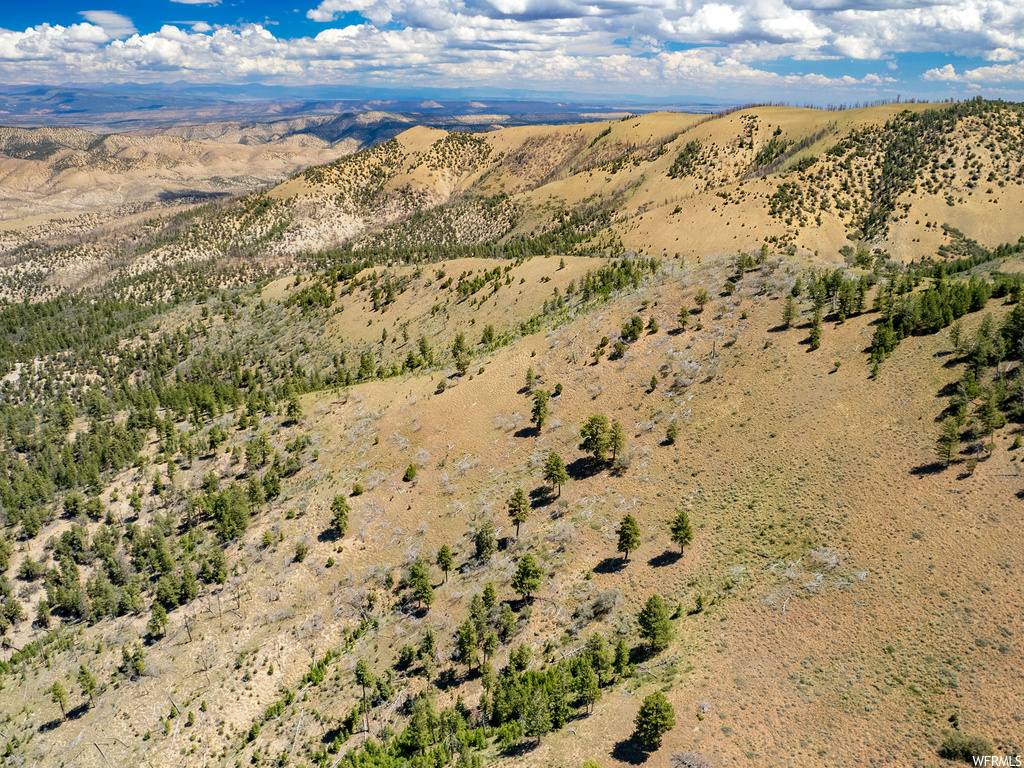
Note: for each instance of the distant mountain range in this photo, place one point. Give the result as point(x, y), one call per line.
point(127, 106)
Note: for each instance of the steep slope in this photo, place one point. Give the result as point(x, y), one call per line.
point(843, 596)
point(231, 467)
point(883, 177)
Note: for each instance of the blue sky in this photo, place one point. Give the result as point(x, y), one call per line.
point(794, 50)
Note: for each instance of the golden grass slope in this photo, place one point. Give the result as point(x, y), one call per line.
point(737, 195)
point(854, 605)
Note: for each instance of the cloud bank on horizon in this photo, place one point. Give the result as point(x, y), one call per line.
point(741, 49)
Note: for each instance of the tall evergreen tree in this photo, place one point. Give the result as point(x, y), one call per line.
point(815, 336)
point(629, 536)
point(655, 624)
point(587, 685)
point(365, 679)
point(527, 577)
point(541, 408)
point(596, 437)
point(537, 715)
point(681, 530)
point(617, 440)
point(86, 682)
point(555, 472)
point(339, 515)
point(465, 641)
point(59, 696)
point(518, 508)
point(788, 311)
point(655, 718)
point(948, 444)
point(419, 582)
point(445, 560)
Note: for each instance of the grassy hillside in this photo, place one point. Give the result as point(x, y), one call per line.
point(228, 481)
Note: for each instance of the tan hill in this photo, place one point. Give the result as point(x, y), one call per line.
point(230, 465)
point(837, 603)
point(882, 177)
point(60, 171)
point(881, 180)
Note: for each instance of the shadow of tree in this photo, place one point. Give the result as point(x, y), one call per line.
point(933, 468)
point(522, 748)
point(50, 725)
point(668, 557)
point(583, 468)
point(626, 751)
point(328, 534)
point(541, 496)
point(610, 565)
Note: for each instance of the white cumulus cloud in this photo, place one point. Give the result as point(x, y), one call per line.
point(114, 24)
point(713, 47)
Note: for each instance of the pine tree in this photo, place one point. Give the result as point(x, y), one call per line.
point(596, 437)
point(558, 698)
point(617, 439)
point(506, 621)
point(465, 640)
point(86, 682)
point(420, 732)
point(419, 582)
point(655, 718)
point(621, 663)
point(948, 444)
point(478, 613)
point(518, 508)
point(815, 336)
point(527, 577)
point(541, 409)
point(537, 715)
point(445, 560)
point(681, 530)
point(339, 515)
point(555, 472)
point(683, 317)
point(702, 298)
point(294, 410)
point(490, 596)
point(655, 624)
point(490, 645)
point(587, 685)
point(485, 542)
point(59, 696)
point(365, 679)
point(629, 536)
point(788, 312)
point(157, 621)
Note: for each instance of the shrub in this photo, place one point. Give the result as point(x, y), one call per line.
point(960, 746)
point(410, 473)
point(672, 433)
point(301, 550)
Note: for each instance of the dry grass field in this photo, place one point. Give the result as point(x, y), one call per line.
point(846, 599)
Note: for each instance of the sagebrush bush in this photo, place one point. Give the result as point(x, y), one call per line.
point(963, 747)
